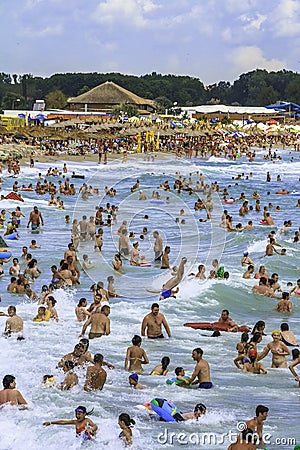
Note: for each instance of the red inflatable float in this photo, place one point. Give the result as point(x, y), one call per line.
point(214, 326)
point(14, 196)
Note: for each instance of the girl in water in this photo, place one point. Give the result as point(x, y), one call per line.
point(85, 428)
point(162, 369)
point(125, 423)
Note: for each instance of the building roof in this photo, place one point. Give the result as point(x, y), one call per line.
point(109, 93)
point(225, 109)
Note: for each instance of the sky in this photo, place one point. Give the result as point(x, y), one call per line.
point(213, 40)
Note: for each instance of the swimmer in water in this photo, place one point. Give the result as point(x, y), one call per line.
point(126, 423)
point(135, 356)
point(9, 394)
point(162, 368)
point(85, 427)
point(134, 381)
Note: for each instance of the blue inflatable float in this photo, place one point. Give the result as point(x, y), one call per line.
point(12, 236)
point(5, 254)
point(166, 410)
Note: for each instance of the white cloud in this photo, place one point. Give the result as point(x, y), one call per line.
point(253, 22)
point(286, 18)
point(132, 12)
point(237, 7)
point(245, 59)
point(55, 30)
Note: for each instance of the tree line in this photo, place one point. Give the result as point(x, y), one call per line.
point(256, 88)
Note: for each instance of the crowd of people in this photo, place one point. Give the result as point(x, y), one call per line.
point(24, 270)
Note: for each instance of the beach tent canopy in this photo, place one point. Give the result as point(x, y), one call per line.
point(289, 108)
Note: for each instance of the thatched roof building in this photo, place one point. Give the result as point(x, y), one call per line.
point(107, 95)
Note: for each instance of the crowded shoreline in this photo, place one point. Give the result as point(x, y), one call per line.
point(207, 206)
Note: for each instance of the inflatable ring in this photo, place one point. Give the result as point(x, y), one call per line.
point(5, 254)
point(166, 410)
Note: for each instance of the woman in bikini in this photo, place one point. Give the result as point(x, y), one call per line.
point(135, 356)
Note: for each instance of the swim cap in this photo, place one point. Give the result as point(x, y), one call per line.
point(134, 376)
point(246, 253)
point(253, 352)
point(274, 332)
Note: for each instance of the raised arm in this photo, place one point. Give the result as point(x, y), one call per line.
point(60, 422)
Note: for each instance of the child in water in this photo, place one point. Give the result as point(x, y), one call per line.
point(85, 427)
point(162, 368)
point(134, 381)
point(125, 423)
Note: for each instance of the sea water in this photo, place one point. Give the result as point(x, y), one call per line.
point(235, 395)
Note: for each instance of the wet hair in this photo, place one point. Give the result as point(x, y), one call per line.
point(295, 353)
point(7, 380)
point(83, 410)
point(244, 337)
point(200, 407)
point(216, 333)
point(105, 308)
point(165, 362)
point(32, 263)
point(84, 342)
point(178, 370)
point(198, 350)
point(81, 301)
point(124, 417)
point(46, 377)
point(154, 305)
point(260, 409)
point(284, 327)
point(52, 299)
point(98, 357)
point(256, 337)
point(69, 364)
point(258, 325)
point(136, 340)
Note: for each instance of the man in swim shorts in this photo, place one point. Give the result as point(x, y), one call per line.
point(153, 322)
point(100, 323)
point(201, 372)
point(36, 219)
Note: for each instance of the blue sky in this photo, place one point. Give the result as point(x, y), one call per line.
point(212, 40)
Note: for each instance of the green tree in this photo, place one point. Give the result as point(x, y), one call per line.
point(162, 103)
point(293, 91)
point(11, 100)
point(83, 90)
point(267, 96)
point(56, 100)
point(125, 109)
